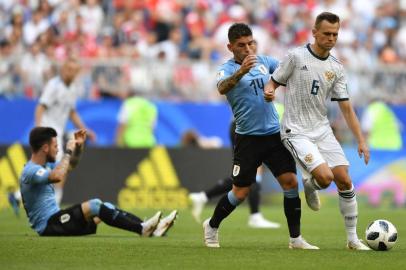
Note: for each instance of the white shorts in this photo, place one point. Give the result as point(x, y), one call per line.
point(311, 152)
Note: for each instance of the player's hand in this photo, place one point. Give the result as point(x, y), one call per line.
point(363, 150)
point(92, 135)
point(269, 92)
point(249, 62)
point(80, 137)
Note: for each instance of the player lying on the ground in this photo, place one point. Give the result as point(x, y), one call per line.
point(36, 184)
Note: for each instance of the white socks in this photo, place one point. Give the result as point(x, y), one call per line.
point(349, 209)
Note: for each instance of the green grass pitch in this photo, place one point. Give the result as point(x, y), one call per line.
point(183, 248)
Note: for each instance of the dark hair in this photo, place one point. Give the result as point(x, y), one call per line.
point(40, 136)
point(326, 16)
point(238, 30)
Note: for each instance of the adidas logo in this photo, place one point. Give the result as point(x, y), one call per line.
point(304, 68)
point(154, 184)
point(11, 167)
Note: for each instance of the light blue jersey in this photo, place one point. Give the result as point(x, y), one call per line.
point(38, 194)
point(253, 115)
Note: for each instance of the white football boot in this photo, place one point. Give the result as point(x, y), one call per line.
point(258, 221)
point(300, 243)
point(211, 235)
point(165, 224)
point(312, 195)
point(198, 199)
point(357, 245)
point(149, 226)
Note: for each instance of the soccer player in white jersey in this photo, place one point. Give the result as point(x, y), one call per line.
point(311, 75)
point(56, 105)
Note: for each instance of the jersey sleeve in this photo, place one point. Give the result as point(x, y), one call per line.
point(340, 91)
point(284, 70)
point(36, 175)
point(48, 95)
point(223, 73)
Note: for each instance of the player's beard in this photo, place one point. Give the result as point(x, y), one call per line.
point(50, 158)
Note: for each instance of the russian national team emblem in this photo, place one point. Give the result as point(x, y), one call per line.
point(308, 158)
point(329, 75)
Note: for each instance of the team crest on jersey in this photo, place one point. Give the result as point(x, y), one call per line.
point(41, 172)
point(220, 74)
point(236, 170)
point(308, 158)
point(64, 218)
point(263, 69)
point(329, 75)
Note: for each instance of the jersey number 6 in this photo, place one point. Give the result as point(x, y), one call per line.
point(315, 87)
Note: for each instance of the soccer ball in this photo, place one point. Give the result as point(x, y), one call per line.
point(381, 235)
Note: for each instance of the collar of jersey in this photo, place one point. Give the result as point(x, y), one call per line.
point(315, 55)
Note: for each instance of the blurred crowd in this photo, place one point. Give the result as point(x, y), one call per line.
point(169, 49)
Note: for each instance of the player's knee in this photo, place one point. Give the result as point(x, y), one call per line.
point(95, 205)
point(324, 180)
point(288, 181)
point(344, 184)
point(233, 199)
point(241, 193)
point(290, 184)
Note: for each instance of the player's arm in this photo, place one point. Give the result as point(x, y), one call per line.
point(227, 84)
point(269, 90)
point(77, 121)
point(46, 100)
point(80, 138)
point(353, 123)
point(280, 76)
point(59, 173)
point(39, 112)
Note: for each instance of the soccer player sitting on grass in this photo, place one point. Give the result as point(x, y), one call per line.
point(45, 217)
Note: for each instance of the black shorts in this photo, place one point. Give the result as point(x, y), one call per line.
point(251, 151)
point(69, 222)
point(232, 133)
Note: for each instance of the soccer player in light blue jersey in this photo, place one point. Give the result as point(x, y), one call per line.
point(37, 189)
point(257, 139)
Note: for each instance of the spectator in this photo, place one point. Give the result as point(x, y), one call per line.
point(381, 126)
point(137, 119)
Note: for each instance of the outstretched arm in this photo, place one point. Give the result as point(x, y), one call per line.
point(353, 123)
